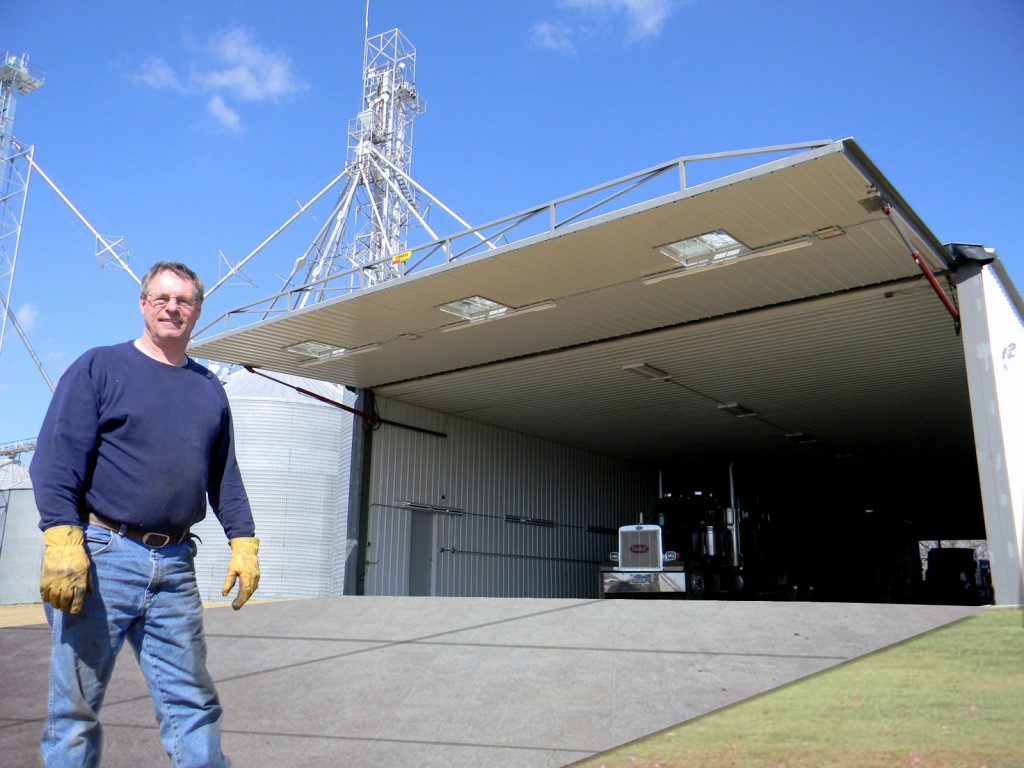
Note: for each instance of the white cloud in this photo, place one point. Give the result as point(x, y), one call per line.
point(27, 317)
point(554, 37)
point(646, 17)
point(250, 72)
point(157, 74)
point(234, 68)
point(224, 114)
point(642, 20)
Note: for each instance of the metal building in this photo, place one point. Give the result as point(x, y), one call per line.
point(458, 508)
point(795, 318)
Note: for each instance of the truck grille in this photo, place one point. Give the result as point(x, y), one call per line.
point(640, 547)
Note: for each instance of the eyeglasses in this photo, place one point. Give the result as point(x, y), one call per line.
point(161, 301)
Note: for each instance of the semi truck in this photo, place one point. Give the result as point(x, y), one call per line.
point(698, 544)
point(694, 547)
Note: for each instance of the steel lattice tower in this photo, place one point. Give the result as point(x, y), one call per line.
point(15, 168)
point(379, 196)
point(365, 239)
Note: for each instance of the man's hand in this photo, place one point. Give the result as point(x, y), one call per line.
point(65, 577)
point(245, 568)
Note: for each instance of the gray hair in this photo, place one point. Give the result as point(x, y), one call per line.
point(180, 270)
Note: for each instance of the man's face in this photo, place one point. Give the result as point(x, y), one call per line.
point(169, 309)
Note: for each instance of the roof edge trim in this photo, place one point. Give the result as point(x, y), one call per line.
point(871, 172)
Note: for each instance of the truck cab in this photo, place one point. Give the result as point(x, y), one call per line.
point(696, 546)
point(642, 566)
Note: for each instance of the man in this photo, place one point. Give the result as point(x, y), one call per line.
point(135, 440)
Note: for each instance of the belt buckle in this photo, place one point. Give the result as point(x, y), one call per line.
point(164, 539)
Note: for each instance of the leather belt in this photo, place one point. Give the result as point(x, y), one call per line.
point(149, 538)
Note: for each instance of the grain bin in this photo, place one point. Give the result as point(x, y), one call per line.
point(293, 451)
point(21, 542)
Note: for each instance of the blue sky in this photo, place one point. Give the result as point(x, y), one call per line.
point(192, 128)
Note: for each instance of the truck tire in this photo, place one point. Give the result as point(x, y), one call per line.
point(695, 582)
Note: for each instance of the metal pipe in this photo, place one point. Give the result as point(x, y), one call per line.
point(953, 311)
point(732, 520)
point(514, 556)
point(107, 247)
point(925, 269)
point(732, 486)
point(274, 234)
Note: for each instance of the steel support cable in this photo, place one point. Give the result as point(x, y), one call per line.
point(926, 271)
point(373, 418)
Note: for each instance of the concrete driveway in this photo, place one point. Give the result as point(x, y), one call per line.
point(482, 682)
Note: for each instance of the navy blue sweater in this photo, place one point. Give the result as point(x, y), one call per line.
point(141, 443)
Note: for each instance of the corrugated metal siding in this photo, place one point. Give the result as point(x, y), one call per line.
point(887, 352)
point(21, 555)
point(489, 474)
point(295, 457)
point(340, 556)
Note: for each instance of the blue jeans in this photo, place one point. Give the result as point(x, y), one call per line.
point(149, 597)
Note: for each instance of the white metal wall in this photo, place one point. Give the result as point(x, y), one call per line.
point(993, 335)
point(488, 474)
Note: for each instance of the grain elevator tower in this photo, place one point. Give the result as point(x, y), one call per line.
point(368, 228)
point(16, 79)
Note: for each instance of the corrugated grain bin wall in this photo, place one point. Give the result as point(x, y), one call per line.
point(21, 542)
point(294, 455)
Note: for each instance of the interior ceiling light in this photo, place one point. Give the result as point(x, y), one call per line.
point(313, 348)
point(320, 352)
point(646, 371)
point(703, 250)
point(736, 409)
point(474, 308)
point(494, 315)
point(718, 248)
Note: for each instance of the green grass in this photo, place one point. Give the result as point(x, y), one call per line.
point(951, 698)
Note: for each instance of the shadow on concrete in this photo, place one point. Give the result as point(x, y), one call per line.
point(482, 682)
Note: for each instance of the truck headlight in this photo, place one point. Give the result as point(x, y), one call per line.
point(613, 556)
point(671, 556)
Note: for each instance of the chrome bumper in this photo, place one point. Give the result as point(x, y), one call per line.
point(643, 582)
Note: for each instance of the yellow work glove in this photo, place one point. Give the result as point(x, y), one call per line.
point(65, 577)
point(245, 568)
